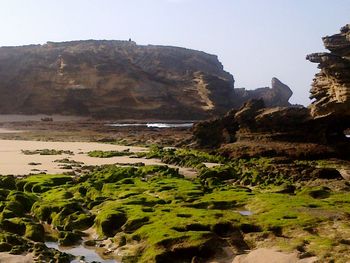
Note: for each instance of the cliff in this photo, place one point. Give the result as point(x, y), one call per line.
point(117, 79)
point(113, 79)
point(331, 86)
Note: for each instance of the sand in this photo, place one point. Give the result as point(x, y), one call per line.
point(8, 258)
point(4, 130)
point(267, 255)
point(13, 161)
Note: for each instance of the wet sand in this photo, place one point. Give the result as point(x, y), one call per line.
point(13, 161)
point(9, 258)
point(5, 130)
point(267, 255)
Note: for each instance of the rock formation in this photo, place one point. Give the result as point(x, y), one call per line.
point(113, 79)
point(331, 86)
point(276, 96)
point(318, 130)
point(121, 80)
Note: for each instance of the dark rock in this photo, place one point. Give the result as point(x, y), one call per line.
point(322, 193)
point(223, 229)
point(345, 241)
point(215, 132)
point(13, 227)
point(132, 225)
point(326, 173)
point(68, 238)
point(287, 189)
point(5, 247)
point(112, 223)
point(90, 243)
point(35, 232)
point(250, 228)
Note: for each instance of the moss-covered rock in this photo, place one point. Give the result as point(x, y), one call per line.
point(68, 238)
point(176, 217)
point(109, 222)
point(43, 182)
point(5, 247)
point(35, 232)
point(8, 182)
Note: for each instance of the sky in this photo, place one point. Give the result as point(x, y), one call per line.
point(254, 39)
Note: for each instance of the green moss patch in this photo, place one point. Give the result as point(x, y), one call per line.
point(154, 214)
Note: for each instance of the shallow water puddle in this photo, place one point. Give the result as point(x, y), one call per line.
point(245, 212)
point(5, 130)
point(78, 251)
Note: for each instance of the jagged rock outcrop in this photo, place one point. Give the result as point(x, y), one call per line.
point(255, 131)
point(276, 96)
point(316, 131)
point(331, 86)
point(113, 79)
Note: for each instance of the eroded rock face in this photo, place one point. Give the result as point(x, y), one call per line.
point(276, 96)
point(331, 86)
point(258, 129)
point(113, 79)
point(121, 80)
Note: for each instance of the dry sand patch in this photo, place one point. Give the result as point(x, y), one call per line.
point(13, 161)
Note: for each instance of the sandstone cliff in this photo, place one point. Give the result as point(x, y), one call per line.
point(116, 79)
point(331, 86)
point(120, 80)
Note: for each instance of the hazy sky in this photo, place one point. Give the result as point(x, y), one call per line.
point(254, 39)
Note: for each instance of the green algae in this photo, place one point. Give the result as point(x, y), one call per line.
point(182, 157)
point(109, 154)
point(47, 152)
point(161, 214)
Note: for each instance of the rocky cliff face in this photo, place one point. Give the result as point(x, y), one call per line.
point(113, 79)
point(331, 86)
point(120, 80)
point(318, 130)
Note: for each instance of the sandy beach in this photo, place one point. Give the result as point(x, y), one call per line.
point(14, 161)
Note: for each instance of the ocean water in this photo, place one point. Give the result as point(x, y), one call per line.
point(90, 254)
point(153, 125)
